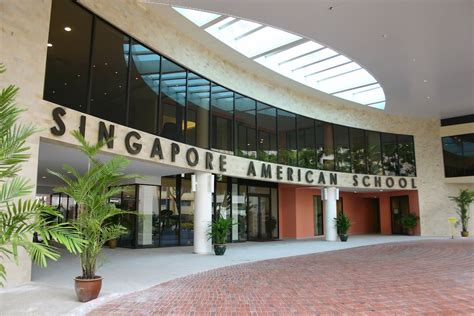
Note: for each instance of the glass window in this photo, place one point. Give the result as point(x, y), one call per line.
point(242, 210)
point(169, 212)
point(148, 210)
point(374, 152)
point(458, 153)
point(267, 136)
point(287, 138)
point(324, 146)
point(245, 127)
point(109, 73)
point(406, 155)
point(173, 97)
point(127, 202)
point(306, 142)
point(223, 201)
point(358, 153)
point(187, 212)
point(144, 88)
point(197, 126)
point(342, 150)
point(67, 63)
point(222, 102)
point(389, 154)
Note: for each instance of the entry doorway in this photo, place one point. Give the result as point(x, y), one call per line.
point(399, 206)
point(260, 222)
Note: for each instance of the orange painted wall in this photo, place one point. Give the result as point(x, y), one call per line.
point(296, 211)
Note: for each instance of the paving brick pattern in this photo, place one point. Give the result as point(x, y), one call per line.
point(421, 277)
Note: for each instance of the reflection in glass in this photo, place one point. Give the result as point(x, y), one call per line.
point(358, 151)
point(245, 127)
point(324, 146)
point(406, 155)
point(374, 152)
point(109, 73)
point(67, 63)
point(222, 102)
point(287, 138)
point(127, 202)
point(173, 97)
point(242, 210)
point(169, 212)
point(306, 142)
point(267, 135)
point(223, 201)
point(342, 151)
point(144, 88)
point(187, 212)
point(197, 125)
point(148, 210)
point(389, 154)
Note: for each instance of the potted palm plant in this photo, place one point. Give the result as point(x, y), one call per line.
point(92, 192)
point(463, 200)
point(409, 222)
point(343, 223)
point(218, 230)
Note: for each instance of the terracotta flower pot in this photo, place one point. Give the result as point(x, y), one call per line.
point(87, 289)
point(112, 243)
point(465, 234)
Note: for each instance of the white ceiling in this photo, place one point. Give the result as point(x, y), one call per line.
point(53, 156)
point(421, 51)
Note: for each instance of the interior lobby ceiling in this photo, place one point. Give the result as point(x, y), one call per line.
point(420, 51)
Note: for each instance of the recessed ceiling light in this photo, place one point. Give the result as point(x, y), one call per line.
point(425, 81)
point(384, 35)
point(68, 29)
point(428, 98)
point(381, 190)
point(414, 59)
point(50, 45)
point(43, 177)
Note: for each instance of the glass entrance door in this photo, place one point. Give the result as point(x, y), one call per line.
point(260, 222)
point(400, 207)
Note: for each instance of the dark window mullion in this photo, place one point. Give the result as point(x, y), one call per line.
point(158, 104)
point(89, 76)
point(129, 71)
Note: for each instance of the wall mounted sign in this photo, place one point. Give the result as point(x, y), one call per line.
point(216, 162)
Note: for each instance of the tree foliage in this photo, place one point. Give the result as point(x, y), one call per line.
point(21, 217)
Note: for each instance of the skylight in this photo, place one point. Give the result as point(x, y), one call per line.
point(293, 56)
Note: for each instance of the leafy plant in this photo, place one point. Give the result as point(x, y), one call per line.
point(21, 218)
point(92, 192)
point(409, 220)
point(218, 229)
point(343, 223)
point(463, 200)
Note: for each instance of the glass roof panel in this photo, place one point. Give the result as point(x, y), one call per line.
point(197, 17)
point(290, 53)
point(345, 81)
point(292, 56)
point(339, 70)
point(300, 63)
point(366, 95)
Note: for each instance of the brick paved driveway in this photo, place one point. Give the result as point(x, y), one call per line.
point(433, 277)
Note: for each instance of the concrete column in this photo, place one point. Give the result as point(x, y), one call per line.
point(330, 209)
point(202, 213)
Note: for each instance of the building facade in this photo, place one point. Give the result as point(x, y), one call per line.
point(207, 137)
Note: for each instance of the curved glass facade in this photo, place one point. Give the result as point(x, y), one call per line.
point(108, 74)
